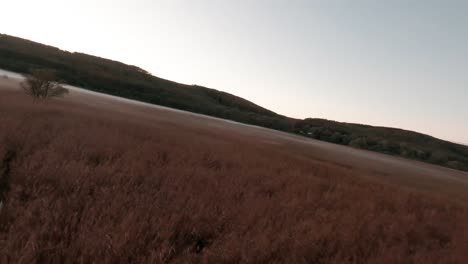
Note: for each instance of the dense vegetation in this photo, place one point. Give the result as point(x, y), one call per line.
point(392, 141)
point(90, 184)
point(127, 81)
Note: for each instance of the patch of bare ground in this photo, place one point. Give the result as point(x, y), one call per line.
point(94, 185)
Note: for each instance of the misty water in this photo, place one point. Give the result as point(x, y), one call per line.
point(9, 74)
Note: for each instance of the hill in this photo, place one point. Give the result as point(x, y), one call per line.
point(112, 77)
point(392, 141)
point(92, 179)
point(115, 78)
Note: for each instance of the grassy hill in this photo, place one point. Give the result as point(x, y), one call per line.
point(90, 183)
point(112, 77)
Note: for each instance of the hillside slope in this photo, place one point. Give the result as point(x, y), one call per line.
point(131, 82)
point(94, 179)
point(128, 81)
point(392, 141)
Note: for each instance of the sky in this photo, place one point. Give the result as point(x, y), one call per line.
point(398, 63)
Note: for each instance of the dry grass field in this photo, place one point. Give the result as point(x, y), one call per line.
point(93, 180)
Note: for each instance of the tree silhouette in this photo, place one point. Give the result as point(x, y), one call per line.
point(42, 85)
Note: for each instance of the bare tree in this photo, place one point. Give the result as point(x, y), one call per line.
point(42, 85)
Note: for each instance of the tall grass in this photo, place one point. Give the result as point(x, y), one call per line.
point(87, 186)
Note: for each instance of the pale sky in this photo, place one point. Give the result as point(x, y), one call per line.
point(398, 63)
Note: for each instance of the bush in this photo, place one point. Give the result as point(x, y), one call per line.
point(42, 84)
point(358, 143)
point(439, 157)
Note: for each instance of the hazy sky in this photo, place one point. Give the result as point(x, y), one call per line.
point(391, 63)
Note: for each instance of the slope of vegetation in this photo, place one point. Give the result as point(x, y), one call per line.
point(392, 141)
point(127, 81)
point(86, 185)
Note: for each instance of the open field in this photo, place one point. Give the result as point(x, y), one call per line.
point(91, 178)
